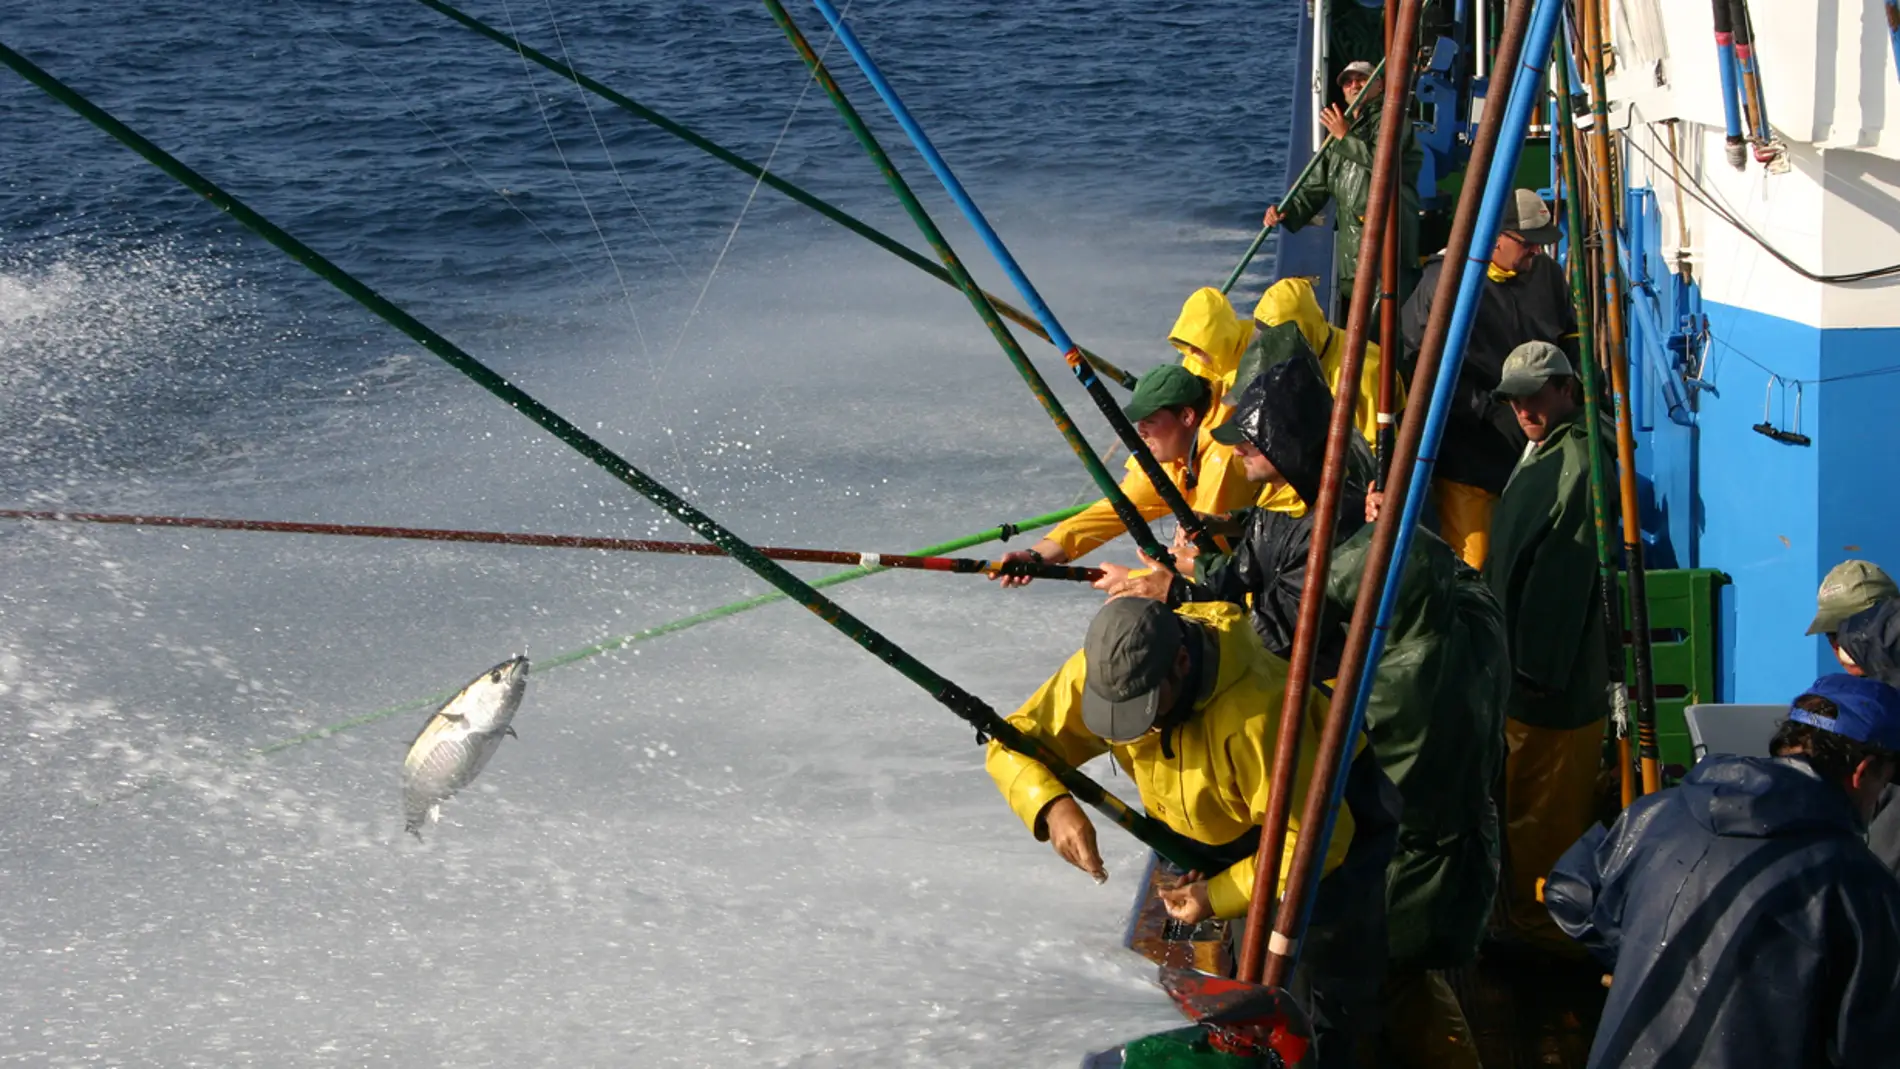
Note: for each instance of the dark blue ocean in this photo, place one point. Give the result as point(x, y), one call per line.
point(747, 843)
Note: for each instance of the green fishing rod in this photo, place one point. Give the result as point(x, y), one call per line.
point(740, 163)
point(1592, 413)
point(1131, 517)
point(1352, 112)
point(1164, 840)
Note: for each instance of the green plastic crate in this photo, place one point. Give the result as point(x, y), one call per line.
point(1682, 630)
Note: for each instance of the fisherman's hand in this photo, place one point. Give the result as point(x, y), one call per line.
point(1185, 553)
point(1043, 552)
point(1073, 836)
point(1333, 118)
point(1187, 902)
point(1375, 500)
point(1272, 218)
point(1120, 582)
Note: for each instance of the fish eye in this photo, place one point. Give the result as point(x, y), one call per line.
point(495, 676)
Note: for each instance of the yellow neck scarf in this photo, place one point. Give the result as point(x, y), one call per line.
point(1498, 274)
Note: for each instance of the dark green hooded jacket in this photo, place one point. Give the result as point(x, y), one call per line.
point(1343, 175)
point(1436, 725)
point(1542, 566)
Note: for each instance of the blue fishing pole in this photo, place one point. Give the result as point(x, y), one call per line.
point(1736, 145)
point(1527, 91)
point(1164, 486)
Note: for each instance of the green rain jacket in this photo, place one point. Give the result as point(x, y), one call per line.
point(1344, 175)
point(1436, 725)
point(1543, 568)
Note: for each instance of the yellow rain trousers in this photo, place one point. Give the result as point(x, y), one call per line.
point(1550, 782)
point(1292, 300)
point(1214, 788)
point(1208, 323)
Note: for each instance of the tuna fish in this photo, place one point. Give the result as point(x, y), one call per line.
point(455, 745)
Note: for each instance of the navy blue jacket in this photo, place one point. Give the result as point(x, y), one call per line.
point(1745, 921)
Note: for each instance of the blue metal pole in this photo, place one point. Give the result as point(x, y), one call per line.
point(1893, 30)
point(1527, 91)
point(1190, 523)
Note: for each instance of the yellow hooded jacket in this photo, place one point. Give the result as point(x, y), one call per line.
point(1207, 323)
point(1215, 787)
point(1292, 300)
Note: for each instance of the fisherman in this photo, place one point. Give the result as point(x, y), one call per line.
point(1524, 298)
point(1173, 409)
point(1278, 429)
point(1288, 308)
point(1342, 174)
point(1435, 721)
point(1868, 644)
point(1543, 569)
point(1189, 706)
point(1849, 588)
point(1744, 920)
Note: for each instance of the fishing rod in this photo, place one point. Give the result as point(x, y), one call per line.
point(1754, 105)
point(960, 565)
point(1162, 839)
point(1352, 112)
point(1579, 271)
point(1388, 310)
point(1125, 509)
point(1164, 487)
point(1735, 144)
point(1338, 734)
point(737, 162)
point(1616, 355)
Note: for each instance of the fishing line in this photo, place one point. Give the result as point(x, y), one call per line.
point(810, 80)
point(480, 178)
point(554, 21)
point(534, 91)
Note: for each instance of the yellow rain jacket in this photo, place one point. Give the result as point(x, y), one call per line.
point(1209, 323)
point(1214, 789)
point(1292, 300)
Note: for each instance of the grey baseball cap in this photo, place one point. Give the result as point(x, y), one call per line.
point(1527, 214)
point(1852, 586)
point(1357, 68)
point(1529, 366)
point(1131, 647)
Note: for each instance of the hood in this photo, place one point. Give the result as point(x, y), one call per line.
point(1872, 639)
point(1208, 322)
point(1284, 414)
point(1291, 300)
point(1765, 797)
point(1233, 635)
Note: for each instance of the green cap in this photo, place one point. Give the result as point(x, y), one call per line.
point(1529, 366)
point(1852, 586)
point(1131, 648)
point(1165, 387)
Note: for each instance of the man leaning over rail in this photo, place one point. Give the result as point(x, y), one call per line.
point(1745, 921)
point(1187, 702)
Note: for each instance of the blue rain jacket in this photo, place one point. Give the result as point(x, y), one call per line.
point(1745, 922)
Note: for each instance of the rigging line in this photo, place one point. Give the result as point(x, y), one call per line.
point(606, 153)
point(811, 79)
point(1708, 200)
point(534, 92)
point(1792, 380)
point(480, 178)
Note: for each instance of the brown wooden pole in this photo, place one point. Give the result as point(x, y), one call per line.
point(1398, 87)
point(1306, 860)
point(1616, 355)
point(1389, 297)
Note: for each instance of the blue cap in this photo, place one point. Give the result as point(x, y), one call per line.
point(1868, 710)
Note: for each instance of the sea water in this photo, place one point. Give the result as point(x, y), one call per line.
point(747, 843)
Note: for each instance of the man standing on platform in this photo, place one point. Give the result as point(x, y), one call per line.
point(1525, 298)
point(1343, 176)
point(1543, 569)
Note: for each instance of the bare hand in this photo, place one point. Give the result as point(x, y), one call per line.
point(1375, 500)
point(1120, 582)
point(1187, 902)
point(1074, 837)
point(1049, 551)
point(1185, 553)
point(1272, 218)
point(1334, 120)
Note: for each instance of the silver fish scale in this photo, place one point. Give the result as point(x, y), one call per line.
point(452, 765)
